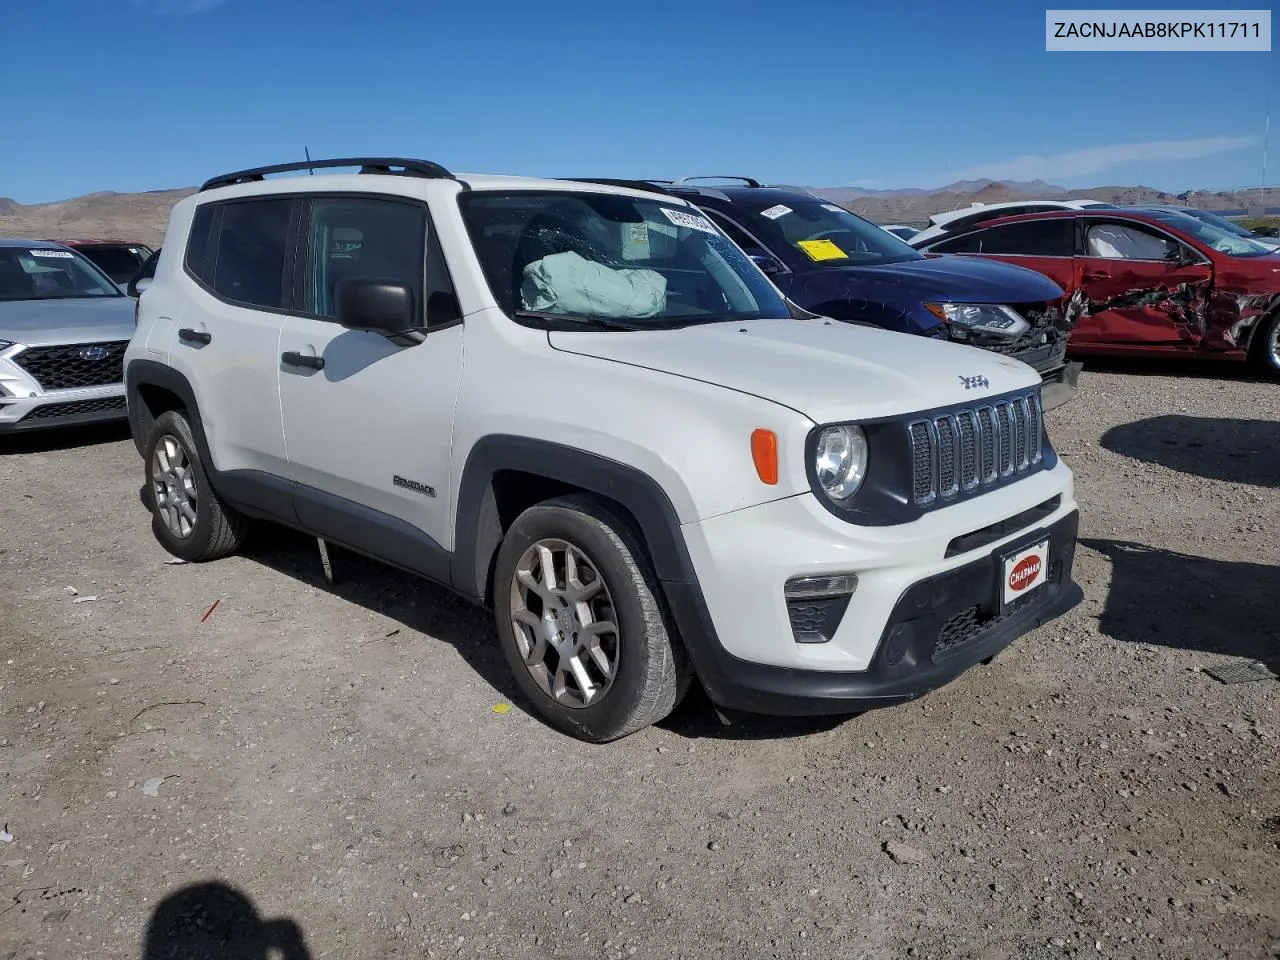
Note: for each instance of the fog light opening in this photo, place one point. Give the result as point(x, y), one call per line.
point(816, 605)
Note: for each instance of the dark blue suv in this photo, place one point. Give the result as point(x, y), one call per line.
point(832, 262)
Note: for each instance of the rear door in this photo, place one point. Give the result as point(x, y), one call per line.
point(1138, 286)
point(1044, 245)
point(228, 333)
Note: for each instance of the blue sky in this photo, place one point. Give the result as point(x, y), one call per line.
point(146, 94)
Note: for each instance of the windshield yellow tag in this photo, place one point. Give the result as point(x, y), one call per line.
point(821, 250)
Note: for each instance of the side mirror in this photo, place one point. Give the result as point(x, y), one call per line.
point(143, 278)
point(379, 306)
point(765, 262)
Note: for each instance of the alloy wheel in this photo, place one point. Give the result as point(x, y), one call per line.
point(173, 487)
point(564, 622)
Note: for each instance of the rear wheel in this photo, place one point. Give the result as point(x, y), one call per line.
point(188, 518)
point(1265, 353)
point(582, 623)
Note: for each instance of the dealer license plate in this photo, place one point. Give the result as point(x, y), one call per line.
point(1024, 572)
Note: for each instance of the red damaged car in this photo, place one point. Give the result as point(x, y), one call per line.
point(1145, 283)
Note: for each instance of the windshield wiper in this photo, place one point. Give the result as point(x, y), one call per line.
point(570, 321)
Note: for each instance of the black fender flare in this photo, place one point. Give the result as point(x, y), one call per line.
point(478, 529)
point(152, 373)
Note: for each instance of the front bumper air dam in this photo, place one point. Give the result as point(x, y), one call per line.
point(965, 599)
point(1061, 386)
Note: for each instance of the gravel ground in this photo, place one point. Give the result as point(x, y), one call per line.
point(336, 772)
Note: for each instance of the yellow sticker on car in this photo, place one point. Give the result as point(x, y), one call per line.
point(821, 250)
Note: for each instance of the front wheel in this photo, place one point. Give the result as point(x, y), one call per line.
point(582, 623)
point(1266, 345)
point(188, 518)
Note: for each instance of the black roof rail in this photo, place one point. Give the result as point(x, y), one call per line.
point(652, 186)
point(381, 165)
point(747, 180)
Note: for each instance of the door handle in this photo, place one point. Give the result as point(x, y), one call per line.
point(309, 360)
point(1095, 275)
point(194, 336)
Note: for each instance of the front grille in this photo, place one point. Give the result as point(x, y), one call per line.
point(972, 447)
point(66, 367)
point(53, 411)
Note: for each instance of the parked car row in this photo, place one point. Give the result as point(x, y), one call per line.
point(1144, 281)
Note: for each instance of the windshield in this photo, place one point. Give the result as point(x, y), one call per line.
point(827, 235)
point(1213, 236)
point(43, 274)
point(607, 260)
point(1222, 223)
point(119, 263)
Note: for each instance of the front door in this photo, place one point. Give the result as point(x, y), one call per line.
point(368, 423)
point(1138, 286)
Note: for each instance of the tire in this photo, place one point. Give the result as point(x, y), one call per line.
point(199, 526)
point(650, 669)
point(1265, 348)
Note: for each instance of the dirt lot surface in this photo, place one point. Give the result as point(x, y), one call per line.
point(330, 764)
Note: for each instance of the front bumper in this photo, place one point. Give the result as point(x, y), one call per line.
point(62, 408)
point(27, 405)
point(1061, 386)
point(924, 611)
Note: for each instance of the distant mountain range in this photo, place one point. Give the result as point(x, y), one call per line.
point(143, 216)
point(915, 205)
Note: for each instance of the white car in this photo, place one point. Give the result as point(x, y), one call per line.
point(583, 406)
point(970, 216)
point(900, 230)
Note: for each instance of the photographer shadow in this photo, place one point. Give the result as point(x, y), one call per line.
point(212, 921)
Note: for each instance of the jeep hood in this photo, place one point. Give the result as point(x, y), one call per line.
point(826, 370)
point(953, 279)
point(38, 323)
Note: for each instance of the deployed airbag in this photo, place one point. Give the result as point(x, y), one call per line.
point(570, 283)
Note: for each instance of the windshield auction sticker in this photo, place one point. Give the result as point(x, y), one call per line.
point(690, 220)
point(58, 254)
point(1233, 31)
point(820, 250)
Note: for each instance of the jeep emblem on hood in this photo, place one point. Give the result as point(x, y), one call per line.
point(971, 382)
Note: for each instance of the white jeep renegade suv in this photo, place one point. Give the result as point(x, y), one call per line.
point(582, 406)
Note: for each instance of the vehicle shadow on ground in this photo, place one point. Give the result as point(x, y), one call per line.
point(1172, 599)
point(63, 438)
point(212, 921)
point(1173, 367)
point(434, 611)
point(1237, 451)
point(411, 601)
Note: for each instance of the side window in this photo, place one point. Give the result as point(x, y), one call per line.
point(1037, 238)
point(735, 233)
point(969, 243)
point(363, 238)
point(1126, 241)
point(197, 258)
point(249, 264)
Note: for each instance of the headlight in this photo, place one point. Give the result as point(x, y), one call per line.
point(990, 318)
point(840, 461)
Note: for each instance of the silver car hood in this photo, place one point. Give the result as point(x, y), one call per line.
point(38, 323)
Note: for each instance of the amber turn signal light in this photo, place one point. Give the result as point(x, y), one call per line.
point(764, 451)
